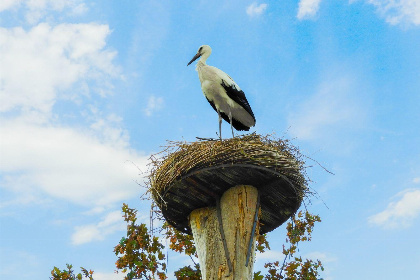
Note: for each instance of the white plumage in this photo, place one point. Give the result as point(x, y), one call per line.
point(223, 94)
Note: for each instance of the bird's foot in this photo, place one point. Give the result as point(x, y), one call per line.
point(206, 139)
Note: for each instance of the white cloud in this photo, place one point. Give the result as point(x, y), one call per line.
point(42, 160)
point(398, 11)
point(322, 256)
point(35, 10)
point(270, 255)
point(110, 131)
point(46, 61)
point(401, 213)
point(108, 276)
point(9, 265)
point(254, 9)
point(325, 258)
point(21, 199)
point(66, 163)
point(308, 9)
point(8, 4)
point(94, 211)
point(111, 223)
point(332, 108)
point(153, 104)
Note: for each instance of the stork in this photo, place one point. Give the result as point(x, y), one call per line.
point(223, 94)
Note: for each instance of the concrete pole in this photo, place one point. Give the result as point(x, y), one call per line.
point(237, 209)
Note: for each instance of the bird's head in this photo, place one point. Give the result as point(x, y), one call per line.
point(204, 52)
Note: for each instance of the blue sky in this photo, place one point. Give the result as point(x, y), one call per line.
point(90, 89)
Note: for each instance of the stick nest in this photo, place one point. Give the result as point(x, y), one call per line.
point(181, 158)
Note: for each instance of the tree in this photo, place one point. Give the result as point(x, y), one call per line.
point(140, 253)
point(68, 274)
point(299, 229)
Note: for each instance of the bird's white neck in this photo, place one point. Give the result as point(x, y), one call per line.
point(200, 64)
point(204, 57)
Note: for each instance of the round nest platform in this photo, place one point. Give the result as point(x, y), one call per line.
point(194, 175)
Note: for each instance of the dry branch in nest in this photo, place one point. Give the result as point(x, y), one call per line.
point(186, 176)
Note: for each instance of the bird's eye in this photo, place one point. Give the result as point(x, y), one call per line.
point(199, 50)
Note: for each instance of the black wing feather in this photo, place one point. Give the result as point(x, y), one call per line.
point(238, 96)
point(237, 125)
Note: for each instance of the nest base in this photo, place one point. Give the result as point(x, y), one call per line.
point(201, 188)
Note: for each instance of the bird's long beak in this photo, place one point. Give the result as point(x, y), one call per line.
point(194, 58)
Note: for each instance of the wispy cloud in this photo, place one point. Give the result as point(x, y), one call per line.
point(35, 10)
point(398, 11)
point(109, 130)
point(152, 25)
point(267, 256)
point(9, 265)
point(332, 108)
point(271, 255)
point(9, 4)
point(109, 275)
point(327, 259)
point(400, 213)
point(154, 104)
point(111, 223)
point(322, 256)
point(308, 9)
point(255, 10)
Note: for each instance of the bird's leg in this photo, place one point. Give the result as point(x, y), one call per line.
point(220, 125)
point(231, 126)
